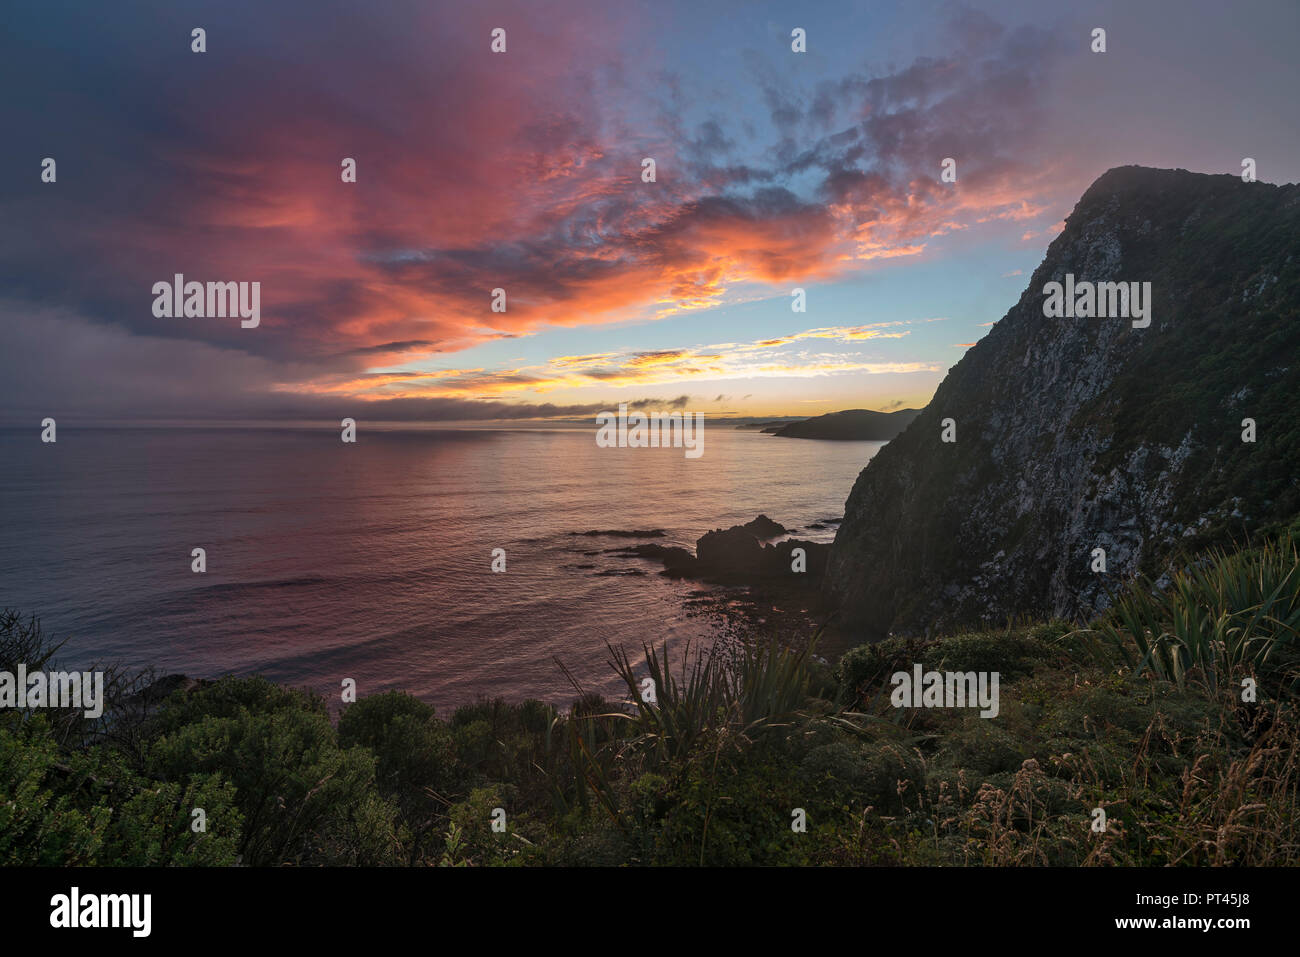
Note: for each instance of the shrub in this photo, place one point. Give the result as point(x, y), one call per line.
point(303, 799)
point(41, 822)
point(415, 758)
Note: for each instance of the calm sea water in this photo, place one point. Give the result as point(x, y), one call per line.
point(372, 561)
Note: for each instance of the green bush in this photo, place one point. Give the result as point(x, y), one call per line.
point(85, 806)
point(156, 826)
point(42, 822)
point(302, 797)
point(415, 760)
point(413, 750)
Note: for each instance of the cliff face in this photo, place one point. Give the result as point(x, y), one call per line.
point(1074, 434)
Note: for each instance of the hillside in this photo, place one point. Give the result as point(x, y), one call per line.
point(1077, 434)
point(851, 424)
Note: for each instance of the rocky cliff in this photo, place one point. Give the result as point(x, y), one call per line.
point(1073, 434)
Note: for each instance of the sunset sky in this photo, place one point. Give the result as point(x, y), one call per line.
point(522, 170)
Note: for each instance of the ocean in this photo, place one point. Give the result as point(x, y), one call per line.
point(373, 561)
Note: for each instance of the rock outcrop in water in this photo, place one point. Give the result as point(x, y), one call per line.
point(1078, 434)
point(739, 555)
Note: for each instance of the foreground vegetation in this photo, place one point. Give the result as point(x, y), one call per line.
point(1140, 715)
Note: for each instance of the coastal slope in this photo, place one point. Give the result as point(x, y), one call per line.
point(851, 425)
point(1077, 434)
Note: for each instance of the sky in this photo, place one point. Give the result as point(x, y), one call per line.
point(775, 170)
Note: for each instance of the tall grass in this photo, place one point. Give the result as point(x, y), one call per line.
point(1225, 616)
point(731, 694)
point(754, 687)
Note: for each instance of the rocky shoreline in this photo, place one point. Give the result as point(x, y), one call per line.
point(755, 579)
